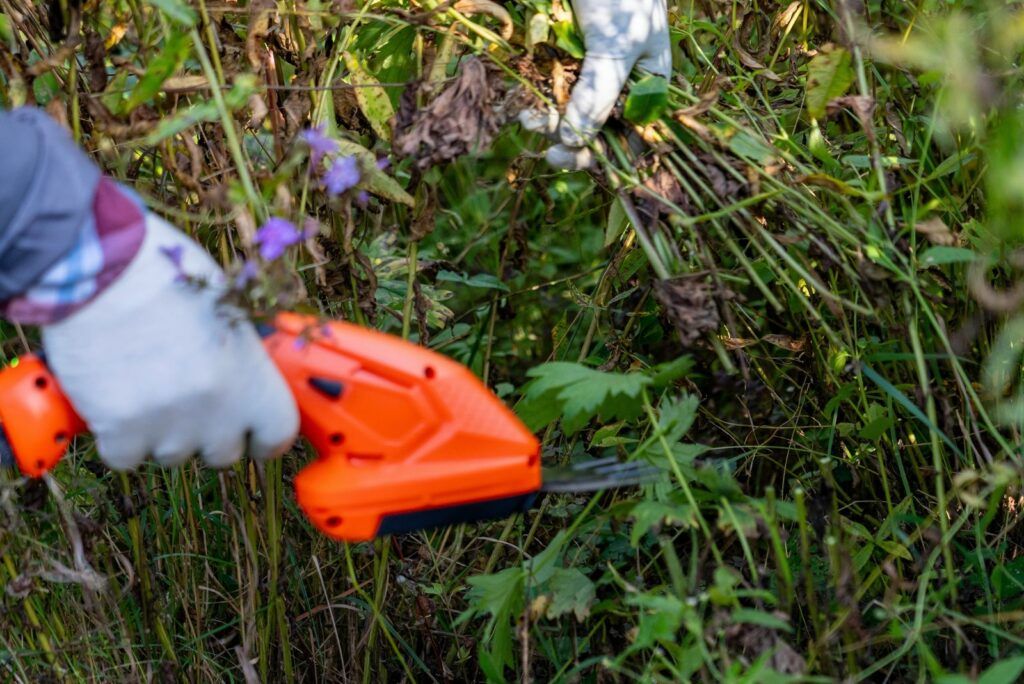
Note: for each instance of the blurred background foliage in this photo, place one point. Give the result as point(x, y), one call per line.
point(791, 282)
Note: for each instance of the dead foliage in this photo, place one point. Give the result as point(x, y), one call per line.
point(689, 305)
point(463, 118)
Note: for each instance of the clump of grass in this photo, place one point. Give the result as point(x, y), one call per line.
point(793, 292)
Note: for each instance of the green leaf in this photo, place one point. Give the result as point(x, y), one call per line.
point(484, 281)
point(375, 180)
point(243, 87)
point(160, 68)
point(571, 591)
point(647, 100)
point(648, 514)
point(829, 75)
point(177, 11)
point(537, 30)
point(568, 38)
point(585, 393)
point(660, 618)
point(760, 618)
point(939, 255)
point(1004, 672)
point(373, 100)
point(664, 374)
point(616, 223)
point(676, 416)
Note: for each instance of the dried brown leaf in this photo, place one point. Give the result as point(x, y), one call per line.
point(689, 304)
point(462, 119)
point(937, 232)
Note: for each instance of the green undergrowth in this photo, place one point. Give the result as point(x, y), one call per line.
point(790, 284)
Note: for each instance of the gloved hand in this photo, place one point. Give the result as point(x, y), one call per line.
point(618, 34)
point(157, 367)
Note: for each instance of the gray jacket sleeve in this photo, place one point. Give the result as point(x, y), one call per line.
point(47, 186)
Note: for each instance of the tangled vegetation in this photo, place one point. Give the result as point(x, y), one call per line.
point(791, 283)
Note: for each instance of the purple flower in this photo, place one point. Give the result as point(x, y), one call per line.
point(173, 255)
point(363, 198)
point(276, 235)
point(342, 176)
point(319, 144)
point(383, 163)
point(250, 271)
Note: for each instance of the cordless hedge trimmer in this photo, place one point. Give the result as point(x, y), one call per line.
point(406, 439)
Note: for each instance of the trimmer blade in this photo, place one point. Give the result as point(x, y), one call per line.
point(601, 473)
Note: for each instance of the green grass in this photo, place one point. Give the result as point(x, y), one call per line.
point(835, 416)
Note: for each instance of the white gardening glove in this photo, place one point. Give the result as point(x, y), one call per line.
point(156, 367)
point(619, 35)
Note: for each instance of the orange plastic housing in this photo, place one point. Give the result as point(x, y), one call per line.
point(406, 438)
point(37, 418)
point(413, 439)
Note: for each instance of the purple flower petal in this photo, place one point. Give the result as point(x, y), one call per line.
point(276, 235)
point(319, 144)
point(383, 163)
point(342, 176)
point(250, 271)
point(363, 198)
point(173, 254)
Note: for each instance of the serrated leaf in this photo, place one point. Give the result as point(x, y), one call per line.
point(375, 180)
point(585, 393)
point(676, 416)
point(159, 69)
point(829, 75)
point(647, 100)
point(177, 11)
point(373, 101)
point(571, 591)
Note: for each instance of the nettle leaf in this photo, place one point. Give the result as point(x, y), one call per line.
point(647, 100)
point(160, 68)
point(585, 393)
point(571, 591)
point(829, 75)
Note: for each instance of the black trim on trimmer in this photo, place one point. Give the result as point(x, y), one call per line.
point(495, 509)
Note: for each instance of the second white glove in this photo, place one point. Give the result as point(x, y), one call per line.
point(619, 35)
